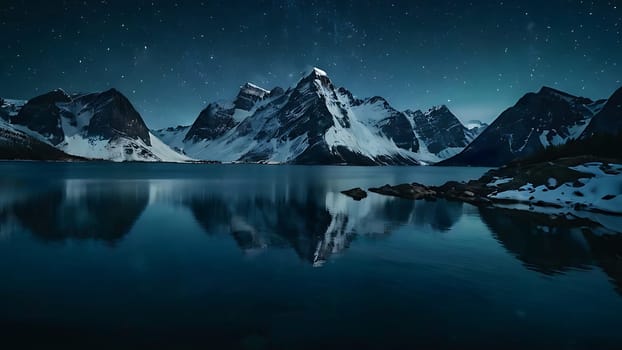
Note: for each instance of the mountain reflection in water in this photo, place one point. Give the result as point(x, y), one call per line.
point(315, 223)
point(216, 256)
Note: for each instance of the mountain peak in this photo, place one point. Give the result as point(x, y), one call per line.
point(318, 72)
point(376, 99)
point(439, 108)
point(547, 91)
point(249, 95)
point(113, 93)
point(54, 96)
point(551, 91)
point(248, 86)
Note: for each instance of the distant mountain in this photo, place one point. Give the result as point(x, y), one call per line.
point(600, 141)
point(18, 143)
point(101, 125)
point(440, 131)
point(536, 121)
point(9, 108)
point(312, 123)
point(476, 126)
point(218, 118)
point(609, 119)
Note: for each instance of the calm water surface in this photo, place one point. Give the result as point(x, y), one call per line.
point(265, 257)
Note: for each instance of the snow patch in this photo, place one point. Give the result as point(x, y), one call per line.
point(499, 181)
point(603, 192)
point(256, 90)
point(121, 149)
point(319, 72)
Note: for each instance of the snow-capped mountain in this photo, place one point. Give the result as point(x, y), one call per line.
point(311, 123)
point(101, 125)
point(476, 126)
point(536, 121)
point(218, 118)
point(441, 132)
point(17, 144)
point(609, 119)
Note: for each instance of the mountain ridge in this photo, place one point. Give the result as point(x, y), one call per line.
point(537, 121)
point(312, 122)
point(100, 125)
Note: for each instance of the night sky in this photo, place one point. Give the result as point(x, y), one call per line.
point(172, 58)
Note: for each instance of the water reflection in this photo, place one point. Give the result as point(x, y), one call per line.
point(78, 210)
point(441, 215)
point(258, 222)
point(553, 245)
point(607, 252)
point(313, 221)
point(540, 243)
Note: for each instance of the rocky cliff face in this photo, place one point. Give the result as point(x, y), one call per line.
point(112, 115)
point(441, 131)
point(102, 125)
point(42, 114)
point(313, 122)
point(537, 120)
point(609, 119)
point(213, 122)
point(249, 95)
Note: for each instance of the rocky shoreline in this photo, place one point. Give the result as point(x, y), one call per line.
point(571, 184)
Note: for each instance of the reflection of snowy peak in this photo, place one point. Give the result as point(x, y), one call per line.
point(101, 125)
point(310, 123)
point(538, 120)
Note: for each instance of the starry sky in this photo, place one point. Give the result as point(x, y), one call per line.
point(171, 58)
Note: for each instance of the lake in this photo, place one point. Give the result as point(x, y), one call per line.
point(274, 257)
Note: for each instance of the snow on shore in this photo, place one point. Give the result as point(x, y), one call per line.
point(599, 191)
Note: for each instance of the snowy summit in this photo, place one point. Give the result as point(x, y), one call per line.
point(319, 72)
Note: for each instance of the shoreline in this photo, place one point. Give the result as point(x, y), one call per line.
point(568, 186)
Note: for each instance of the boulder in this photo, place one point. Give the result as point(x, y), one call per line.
point(356, 193)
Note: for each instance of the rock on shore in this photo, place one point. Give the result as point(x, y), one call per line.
point(570, 184)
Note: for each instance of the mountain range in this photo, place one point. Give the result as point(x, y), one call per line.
point(312, 122)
